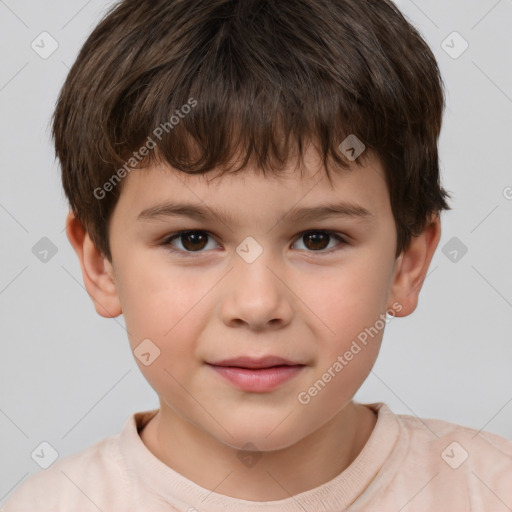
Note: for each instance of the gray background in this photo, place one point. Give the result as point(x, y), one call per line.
point(67, 376)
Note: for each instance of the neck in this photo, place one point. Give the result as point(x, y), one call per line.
point(259, 476)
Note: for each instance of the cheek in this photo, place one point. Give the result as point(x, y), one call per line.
point(348, 338)
point(348, 300)
point(164, 306)
point(350, 304)
point(168, 309)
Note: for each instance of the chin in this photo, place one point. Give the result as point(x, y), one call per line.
point(252, 435)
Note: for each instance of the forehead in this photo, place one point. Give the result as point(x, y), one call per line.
point(251, 192)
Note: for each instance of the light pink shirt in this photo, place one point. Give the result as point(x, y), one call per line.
point(407, 465)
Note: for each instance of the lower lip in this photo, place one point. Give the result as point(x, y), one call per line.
point(262, 380)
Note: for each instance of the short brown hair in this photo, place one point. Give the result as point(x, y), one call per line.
point(267, 77)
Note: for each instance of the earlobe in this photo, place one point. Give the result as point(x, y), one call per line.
point(412, 267)
point(97, 271)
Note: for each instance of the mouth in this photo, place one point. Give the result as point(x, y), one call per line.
point(258, 375)
point(256, 363)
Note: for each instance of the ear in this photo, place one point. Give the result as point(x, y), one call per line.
point(411, 267)
point(97, 271)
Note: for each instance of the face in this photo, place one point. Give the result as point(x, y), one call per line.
point(253, 278)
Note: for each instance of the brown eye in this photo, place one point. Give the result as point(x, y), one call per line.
point(191, 241)
point(194, 241)
point(318, 241)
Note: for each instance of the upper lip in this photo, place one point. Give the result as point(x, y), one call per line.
point(256, 362)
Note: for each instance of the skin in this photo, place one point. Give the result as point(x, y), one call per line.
point(294, 301)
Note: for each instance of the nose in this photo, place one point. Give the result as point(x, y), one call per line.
point(256, 295)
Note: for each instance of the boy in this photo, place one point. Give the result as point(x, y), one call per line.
point(255, 186)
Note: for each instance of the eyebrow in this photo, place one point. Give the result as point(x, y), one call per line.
point(298, 215)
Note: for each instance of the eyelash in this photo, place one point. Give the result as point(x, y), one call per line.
point(184, 253)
